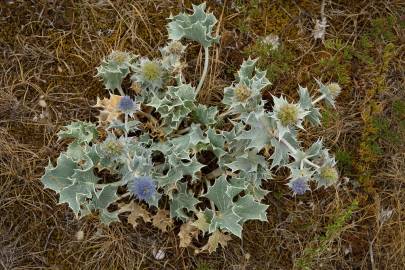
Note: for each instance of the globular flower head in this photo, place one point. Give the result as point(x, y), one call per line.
point(126, 105)
point(288, 114)
point(334, 89)
point(120, 58)
point(242, 92)
point(143, 187)
point(299, 185)
point(329, 91)
point(173, 47)
point(327, 175)
point(149, 73)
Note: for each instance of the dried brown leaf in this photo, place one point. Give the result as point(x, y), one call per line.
point(162, 220)
point(216, 238)
point(109, 111)
point(137, 211)
point(187, 232)
point(201, 222)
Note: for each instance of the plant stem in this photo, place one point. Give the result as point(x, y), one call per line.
point(121, 92)
point(213, 208)
point(126, 125)
point(289, 146)
point(123, 196)
point(318, 99)
point(205, 71)
point(293, 150)
point(311, 163)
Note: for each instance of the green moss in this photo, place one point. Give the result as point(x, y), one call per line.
point(329, 117)
point(344, 159)
point(277, 62)
point(203, 266)
point(398, 108)
point(382, 29)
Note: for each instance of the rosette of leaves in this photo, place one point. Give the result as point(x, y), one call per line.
point(114, 68)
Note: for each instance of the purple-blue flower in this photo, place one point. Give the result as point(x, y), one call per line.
point(143, 187)
point(299, 185)
point(126, 104)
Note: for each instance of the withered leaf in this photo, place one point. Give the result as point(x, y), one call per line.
point(109, 111)
point(137, 211)
point(216, 238)
point(201, 222)
point(187, 232)
point(162, 220)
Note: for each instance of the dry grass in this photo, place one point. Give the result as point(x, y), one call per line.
point(50, 50)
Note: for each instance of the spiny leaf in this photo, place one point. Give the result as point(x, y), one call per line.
point(258, 134)
point(74, 195)
point(204, 115)
point(217, 194)
point(107, 217)
point(249, 162)
point(58, 178)
point(248, 208)
point(105, 197)
point(227, 220)
point(197, 26)
point(183, 199)
point(81, 132)
point(202, 222)
point(109, 112)
point(114, 69)
point(314, 116)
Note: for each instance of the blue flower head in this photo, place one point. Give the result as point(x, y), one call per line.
point(126, 105)
point(299, 185)
point(143, 187)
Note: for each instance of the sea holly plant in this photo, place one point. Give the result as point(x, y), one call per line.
point(158, 155)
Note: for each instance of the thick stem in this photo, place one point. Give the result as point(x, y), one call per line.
point(213, 208)
point(318, 99)
point(289, 146)
point(205, 71)
point(293, 151)
point(123, 196)
point(311, 163)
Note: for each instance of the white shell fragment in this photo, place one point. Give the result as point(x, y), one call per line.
point(158, 254)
